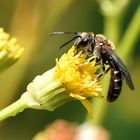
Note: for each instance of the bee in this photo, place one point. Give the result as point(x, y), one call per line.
point(98, 47)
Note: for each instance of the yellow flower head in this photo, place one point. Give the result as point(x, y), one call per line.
point(10, 50)
point(77, 74)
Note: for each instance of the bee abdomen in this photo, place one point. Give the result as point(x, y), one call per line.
point(115, 83)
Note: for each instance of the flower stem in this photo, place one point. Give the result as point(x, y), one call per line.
point(100, 106)
point(131, 35)
point(112, 29)
point(12, 109)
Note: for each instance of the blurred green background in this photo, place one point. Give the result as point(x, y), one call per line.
point(31, 21)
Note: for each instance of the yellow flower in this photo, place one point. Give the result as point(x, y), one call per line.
point(77, 75)
point(73, 77)
point(10, 50)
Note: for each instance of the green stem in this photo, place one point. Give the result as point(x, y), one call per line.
point(13, 109)
point(112, 31)
point(100, 106)
point(131, 35)
point(112, 28)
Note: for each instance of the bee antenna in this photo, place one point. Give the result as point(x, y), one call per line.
point(68, 42)
point(62, 33)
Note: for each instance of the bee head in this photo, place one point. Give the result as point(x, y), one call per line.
point(84, 39)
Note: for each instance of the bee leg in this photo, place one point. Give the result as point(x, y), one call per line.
point(100, 77)
point(90, 52)
point(76, 51)
point(103, 66)
point(94, 58)
point(91, 58)
point(103, 70)
point(97, 61)
point(86, 50)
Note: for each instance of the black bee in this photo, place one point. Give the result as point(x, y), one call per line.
point(101, 49)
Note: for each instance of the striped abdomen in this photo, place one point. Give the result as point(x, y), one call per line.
point(115, 82)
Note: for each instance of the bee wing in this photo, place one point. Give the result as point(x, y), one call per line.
point(122, 68)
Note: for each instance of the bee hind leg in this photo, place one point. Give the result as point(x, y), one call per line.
point(100, 77)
